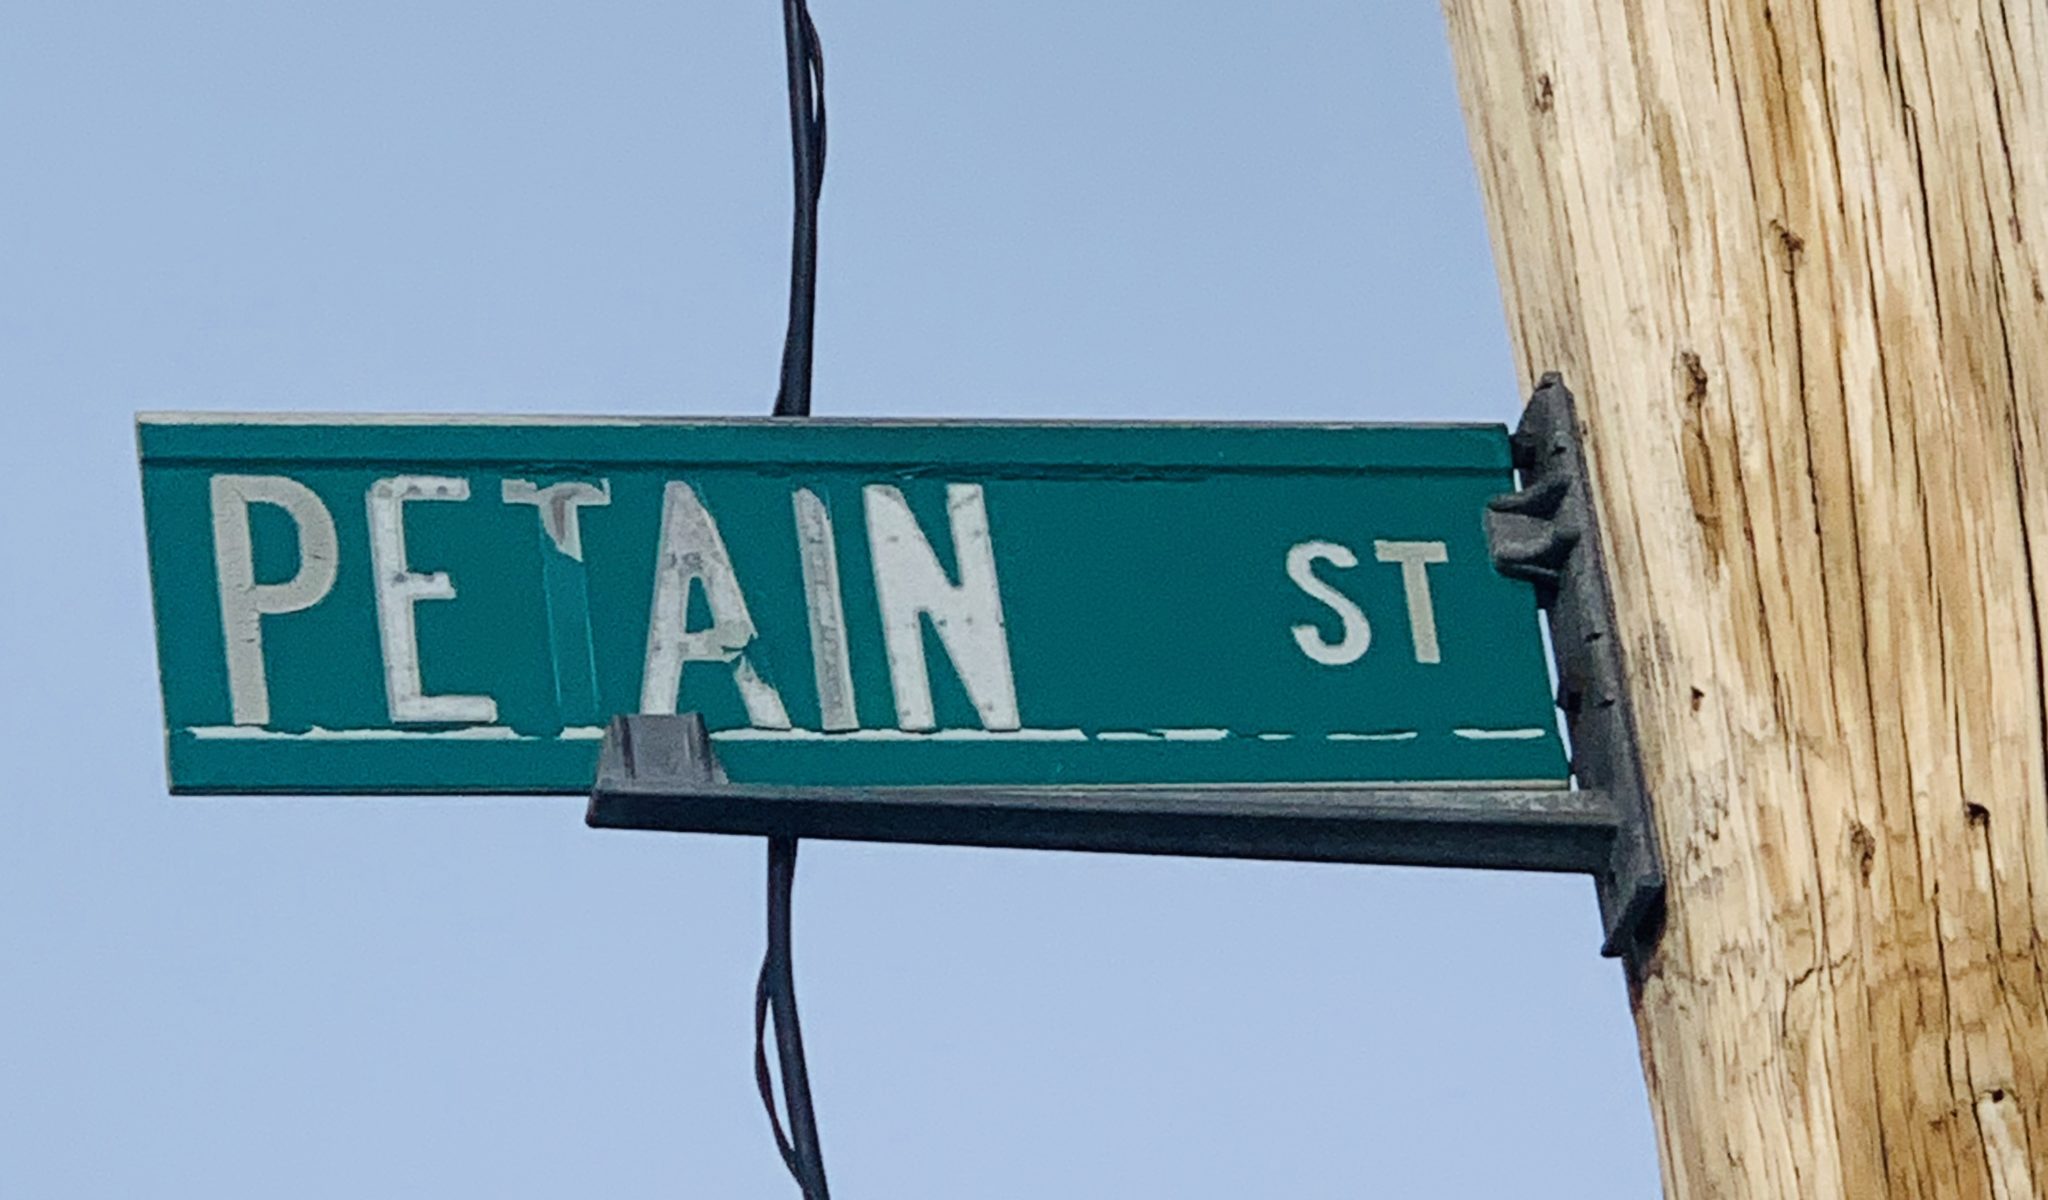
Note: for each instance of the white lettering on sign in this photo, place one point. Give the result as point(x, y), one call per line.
point(399, 588)
point(910, 585)
point(559, 505)
point(914, 591)
point(1416, 558)
point(823, 601)
point(1357, 639)
point(692, 551)
point(244, 602)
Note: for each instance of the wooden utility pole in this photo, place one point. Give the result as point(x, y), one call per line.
point(1793, 257)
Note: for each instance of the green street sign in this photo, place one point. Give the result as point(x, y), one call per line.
point(389, 604)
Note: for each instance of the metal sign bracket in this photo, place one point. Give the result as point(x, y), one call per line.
point(662, 773)
point(1547, 533)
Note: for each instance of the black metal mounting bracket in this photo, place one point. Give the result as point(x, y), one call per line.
point(662, 773)
point(1547, 533)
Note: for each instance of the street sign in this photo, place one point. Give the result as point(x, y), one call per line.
point(391, 604)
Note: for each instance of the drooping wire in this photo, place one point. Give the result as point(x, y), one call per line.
point(806, 63)
point(775, 989)
point(775, 994)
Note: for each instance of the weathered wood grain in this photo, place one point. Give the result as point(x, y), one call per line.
point(1792, 256)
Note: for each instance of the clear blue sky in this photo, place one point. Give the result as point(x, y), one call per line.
point(1126, 208)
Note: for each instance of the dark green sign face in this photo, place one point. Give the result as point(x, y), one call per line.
point(458, 605)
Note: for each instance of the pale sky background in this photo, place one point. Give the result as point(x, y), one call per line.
point(1099, 208)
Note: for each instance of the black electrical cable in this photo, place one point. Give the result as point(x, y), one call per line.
point(775, 994)
point(806, 63)
point(775, 990)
